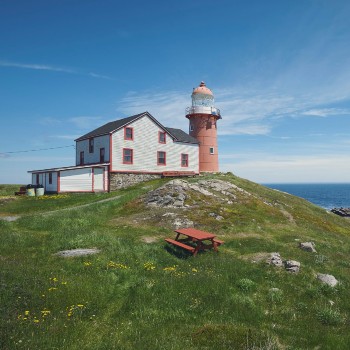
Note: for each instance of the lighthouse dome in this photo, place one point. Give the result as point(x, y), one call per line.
point(202, 89)
point(202, 96)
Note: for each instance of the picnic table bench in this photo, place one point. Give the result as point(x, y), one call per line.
point(197, 240)
point(22, 191)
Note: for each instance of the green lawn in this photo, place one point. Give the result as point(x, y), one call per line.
point(138, 295)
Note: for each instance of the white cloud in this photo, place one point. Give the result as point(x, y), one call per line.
point(49, 121)
point(86, 122)
point(269, 169)
point(45, 67)
point(326, 112)
point(36, 67)
point(100, 76)
point(65, 137)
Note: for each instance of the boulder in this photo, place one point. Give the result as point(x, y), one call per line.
point(292, 266)
point(308, 246)
point(327, 279)
point(275, 259)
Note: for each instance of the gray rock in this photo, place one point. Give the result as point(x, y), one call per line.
point(77, 252)
point(9, 218)
point(308, 246)
point(169, 214)
point(219, 218)
point(182, 223)
point(275, 259)
point(327, 279)
point(292, 266)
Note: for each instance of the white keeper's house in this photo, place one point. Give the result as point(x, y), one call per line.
point(138, 148)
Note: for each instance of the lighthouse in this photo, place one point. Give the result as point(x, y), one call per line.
point(203, 117)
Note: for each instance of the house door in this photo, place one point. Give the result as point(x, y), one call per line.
point(98, 179)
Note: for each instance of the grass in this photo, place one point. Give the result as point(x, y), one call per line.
point(135, 295)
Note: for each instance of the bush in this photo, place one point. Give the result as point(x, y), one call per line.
point(330, 316)
point(245, 284)
point(275, 295)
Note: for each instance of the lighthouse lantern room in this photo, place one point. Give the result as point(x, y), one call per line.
point(203, 116)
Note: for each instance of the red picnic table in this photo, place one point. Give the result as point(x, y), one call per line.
point(196, 238)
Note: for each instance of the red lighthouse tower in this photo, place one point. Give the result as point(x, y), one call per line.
point(203, 116)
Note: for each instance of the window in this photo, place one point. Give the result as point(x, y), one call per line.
point(191, 127)
point(37, 179)
point(128, 133)
point(81, 158)
point(102, 155)
point(128, 156)
point(91, 145)
point(161, 158)
point(50, 178)
point(184, 160)
point(162, 137)
point(211, 150)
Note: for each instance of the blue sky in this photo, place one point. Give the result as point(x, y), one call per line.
point(279, 70)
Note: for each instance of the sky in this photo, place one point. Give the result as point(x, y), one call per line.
point(279, 71)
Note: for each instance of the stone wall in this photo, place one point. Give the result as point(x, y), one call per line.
point(118, 180)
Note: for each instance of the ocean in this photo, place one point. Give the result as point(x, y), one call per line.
point(327, 196)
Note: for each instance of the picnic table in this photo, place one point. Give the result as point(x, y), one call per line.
point(197, 239)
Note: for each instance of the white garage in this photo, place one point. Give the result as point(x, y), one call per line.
point(88, 178)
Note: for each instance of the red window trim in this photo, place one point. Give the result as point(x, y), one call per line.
point(82, 158)
point(161, 164)
point(102, 150)
point(91, 145)
point(132, 156)
point(132, 133)
point(184, 154)
point(159, 133)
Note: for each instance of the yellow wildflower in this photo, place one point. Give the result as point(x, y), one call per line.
point(26, 312)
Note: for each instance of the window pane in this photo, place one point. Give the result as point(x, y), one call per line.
point(128, 133)
point(184, 159)
point(127, 155)
point(162, 137)
point(161, 158)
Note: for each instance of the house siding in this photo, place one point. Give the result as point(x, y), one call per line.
point(53, 186)
point(92, 158)
point(76, 180)
point(145, 146)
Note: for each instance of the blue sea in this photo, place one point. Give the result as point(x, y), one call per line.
point(327, 196)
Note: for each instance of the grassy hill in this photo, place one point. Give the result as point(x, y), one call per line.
point(137, 293)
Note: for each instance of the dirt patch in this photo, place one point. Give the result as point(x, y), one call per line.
point(9, 218)
point(245, 235)
point(149, 240)
point(77, 252)
point(256, 257)
point(7, 199)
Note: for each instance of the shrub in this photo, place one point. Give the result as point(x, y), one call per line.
point(330, 316)
point(275, 295)
point(245, 284)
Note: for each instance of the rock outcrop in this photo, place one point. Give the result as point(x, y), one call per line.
point(308, 246)
point(327, 279)
point(275, 259)
point(292, 266)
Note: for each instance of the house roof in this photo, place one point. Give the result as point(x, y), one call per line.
point(181, 136)
point(177, 134)
point(96, 165)
point(111, 126)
